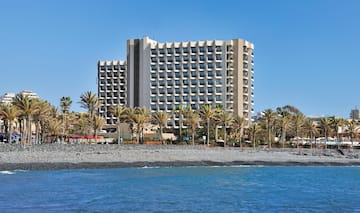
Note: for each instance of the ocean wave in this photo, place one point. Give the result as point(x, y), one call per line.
point(7, 172)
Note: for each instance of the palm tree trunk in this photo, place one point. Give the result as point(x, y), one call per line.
point(29, 130)
point(161, 135)
point(193, 137)
point(208, 131)
point(283, 137)
point(9, 131)
point(224, 135)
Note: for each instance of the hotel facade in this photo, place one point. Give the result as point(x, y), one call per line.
point(166, 76)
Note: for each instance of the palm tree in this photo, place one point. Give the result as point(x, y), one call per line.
point(325, 125)
point(27, 107)
point(65, 103)
point(160, 118)
point(269, 118)
point(89, 101)
point(207, 113)
point(284, 121)
point(298, 124)
point(238, 126)
point(119, 112)
point(311, 130)
point(253, 130)
point(182, 112)
point(98, 125)
point(139, 117)
point(9, 113)
point(54, 128)
point(336, 123)
point(225, 119)
point(352, 129)
point(193, 120)
point(42, 114)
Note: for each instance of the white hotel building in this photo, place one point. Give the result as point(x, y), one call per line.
point(164, 76)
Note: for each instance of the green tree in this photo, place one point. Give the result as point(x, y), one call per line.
point(8, 112)
point(225, 119)
point(352, 129)
point(28, 107)
point(269, 118)
point(254, 129)
point(284, 118)
point(89, 101)
point(238, 125)
point(139, 117)
point(160, 118)
point(325, 124)
point(298, 124)
point(65, 104)
point(193, 119)
point(311, 130)
point(336, 123)
point(119, 112)
point(207, 113)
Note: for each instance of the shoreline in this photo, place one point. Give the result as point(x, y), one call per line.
point(83, 156)
point(111, 165)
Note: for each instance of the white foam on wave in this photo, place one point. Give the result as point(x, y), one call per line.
point(7, 172)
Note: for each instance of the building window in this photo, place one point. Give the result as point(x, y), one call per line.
point(161, 51)
point(218, 48)
point(177, 75)
point(218, 65)
point(193, 82)
point(218, 89)
point(218, 73)
point(193, 66)
point(218, 98)
point(185, 66)
point(193, 50)
point(161, 83)
point(177, 66)
point(177, 58)
point(210, 49)
point(153, 51)
point(202, 66)
point(193, 90)
point(210, 57)
point(169, 83)
point(202, 82)
point(193, 98)
point(201, 73)
point(177, 91)
point(193, 58)
point(153, 59)
point(162, 67)
point(177, 50)
point(169, 67)
point(185, 82)
point(161, 59)
point(185, 90)
point(185, 50)
point(193, 74)
point(161, 75)
point(202, 89)
point(210, 98)
point(169, 91)
point(201, 58)
point(177, 98)
point(202, 98)
point(201, 49)
point(218, 57)
point(169, 51)
point(185, 74)
point(185, 58)
point(210, 65)
point(210, 90)
point(169, 59)
point(210, 82)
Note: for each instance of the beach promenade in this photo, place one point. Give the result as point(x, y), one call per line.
point(59, 156)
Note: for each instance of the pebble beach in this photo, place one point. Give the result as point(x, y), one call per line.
point(76, 156)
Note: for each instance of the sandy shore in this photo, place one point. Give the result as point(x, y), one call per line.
point(57, 156)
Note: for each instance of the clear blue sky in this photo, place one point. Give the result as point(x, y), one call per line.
point(307, 52)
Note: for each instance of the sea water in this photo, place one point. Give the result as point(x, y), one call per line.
point(183, 189)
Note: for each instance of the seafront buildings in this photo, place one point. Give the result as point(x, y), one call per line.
point(9, 96)
point(166, 76)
